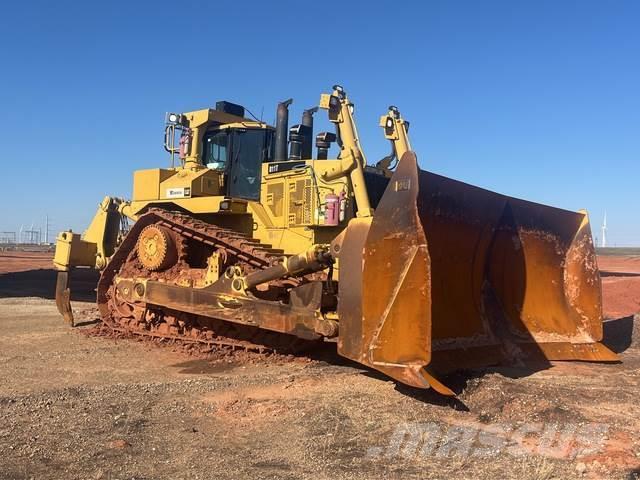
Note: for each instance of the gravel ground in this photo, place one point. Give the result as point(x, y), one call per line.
point(74, 406)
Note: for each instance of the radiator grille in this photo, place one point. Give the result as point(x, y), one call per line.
point(275, 198)
point(300, 202)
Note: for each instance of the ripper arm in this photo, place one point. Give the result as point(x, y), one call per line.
point(91, 249)
point(96, 244)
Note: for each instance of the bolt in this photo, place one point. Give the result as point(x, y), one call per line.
point(327, 328)
point(237, 284)
point(229, 273)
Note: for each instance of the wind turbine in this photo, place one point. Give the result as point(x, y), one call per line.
point(604, 231)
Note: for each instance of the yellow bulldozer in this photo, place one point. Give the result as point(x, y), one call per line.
point(247, 239)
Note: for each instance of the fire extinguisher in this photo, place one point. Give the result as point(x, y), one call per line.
point(331, 209)
point(335, 208)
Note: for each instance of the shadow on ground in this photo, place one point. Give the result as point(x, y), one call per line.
point(618, 333)
point(41, 283)
point(618, 336)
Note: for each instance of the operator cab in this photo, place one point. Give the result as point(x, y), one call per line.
point(239, 152)
point(225, 141)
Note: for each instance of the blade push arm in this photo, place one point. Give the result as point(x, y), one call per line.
point(352, 158)
point(396, 130)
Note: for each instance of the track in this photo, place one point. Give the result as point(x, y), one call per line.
point(195, 240)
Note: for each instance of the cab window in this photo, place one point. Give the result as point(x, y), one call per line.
point(239, 153)
point(216, 145)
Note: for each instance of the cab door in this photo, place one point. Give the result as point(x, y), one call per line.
point(248, 150)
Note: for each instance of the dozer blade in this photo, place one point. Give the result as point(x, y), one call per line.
point(455, 276)
point(63, 297)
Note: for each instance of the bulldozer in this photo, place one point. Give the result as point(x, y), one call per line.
point(248, 240)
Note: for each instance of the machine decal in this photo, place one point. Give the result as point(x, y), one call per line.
point(181, 192)
point(285, 166)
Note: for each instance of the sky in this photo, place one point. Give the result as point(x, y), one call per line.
point(538, 100)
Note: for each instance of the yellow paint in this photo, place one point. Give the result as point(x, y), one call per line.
point(289, 214)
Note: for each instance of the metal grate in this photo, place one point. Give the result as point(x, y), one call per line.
point(300, 202)
point(275, 198)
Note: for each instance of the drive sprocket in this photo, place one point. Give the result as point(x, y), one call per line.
point(156, 248)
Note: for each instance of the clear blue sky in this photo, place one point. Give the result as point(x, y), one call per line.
point(538, 99)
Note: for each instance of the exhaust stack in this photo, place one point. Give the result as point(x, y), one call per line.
point(282, 125)
point(297, 134)
point(323, 143)
point(307, 140)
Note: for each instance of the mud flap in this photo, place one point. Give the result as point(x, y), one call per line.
point(63, 297)
point(447, 275)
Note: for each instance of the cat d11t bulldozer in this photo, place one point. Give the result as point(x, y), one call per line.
point(247, 240)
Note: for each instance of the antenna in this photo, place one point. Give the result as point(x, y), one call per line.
point(604, 231)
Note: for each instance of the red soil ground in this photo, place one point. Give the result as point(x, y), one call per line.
point(24, 261)
point(620, 285)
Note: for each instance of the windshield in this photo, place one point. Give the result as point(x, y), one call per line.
point(239, 153)
point(215, 150)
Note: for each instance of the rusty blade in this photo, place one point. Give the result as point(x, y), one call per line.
point(510, 274)
point(63, 297)
point(350, 339)
point(385, 299)
point(454, 276)
point(396, 295)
